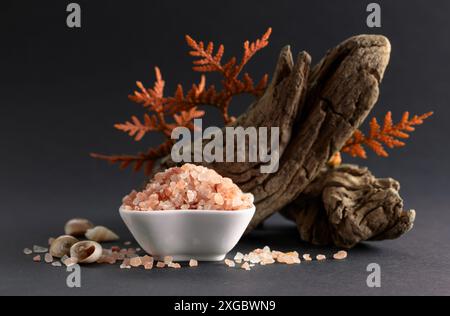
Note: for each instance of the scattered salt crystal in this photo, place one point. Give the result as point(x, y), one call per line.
point(127, 243)
point(115, 249)
point(111, 259)
point(70, 262)
point(148, 265)
point(307, 257)
point(39, 249)
point(254, 258)
point(266, 249)
point(48, 258)
point(239, 256)
point(27, 251)
point(267, 261)
point(160, 264)
point(275, 254)
point(56, 264)
point(230, 263)
point(125, 266)
point(321, 258)
point(136, 262)
point(146, 259)
point(246, 266)
point(168, 259)
point(174, 265)
point(37, 258)
point(64, 258)
point(341, 255)
point(193, 263)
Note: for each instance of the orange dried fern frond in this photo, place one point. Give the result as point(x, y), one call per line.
point(389, 135)
point(181, 109)
point(142, 161)
point(211, 61)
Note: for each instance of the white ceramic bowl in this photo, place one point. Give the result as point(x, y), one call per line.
point(185, 235)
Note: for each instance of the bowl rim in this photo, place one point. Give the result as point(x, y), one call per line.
point(167, 212)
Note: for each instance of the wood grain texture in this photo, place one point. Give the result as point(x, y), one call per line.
point(347, 205)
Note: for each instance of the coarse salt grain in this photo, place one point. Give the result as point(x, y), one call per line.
point(189, 187)
point(193, 263)
point(321, 258)
point(57, 264)
point(147, 259)
point(160, 264)
point(70, 262)
point(27, 251)
point(230, 263)
point(246, 266)
point(115, 249)
point(136, 262)
point(174, 265)
point(37, 258)
point(125, 266)
point(307, 257)
point(148, 265)
point(168, 259)
point(341, 255)
point(48, 258)
point(39, 249)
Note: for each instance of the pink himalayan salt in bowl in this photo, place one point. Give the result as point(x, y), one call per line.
point(189, 187)
point(187, 213)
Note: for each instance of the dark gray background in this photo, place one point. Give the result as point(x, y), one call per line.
point(62, 90)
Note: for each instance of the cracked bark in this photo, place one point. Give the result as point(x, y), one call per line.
point(317, 111)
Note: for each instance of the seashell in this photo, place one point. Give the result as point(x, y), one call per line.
point(60, 247)
point(101, 234)
point(77, 227)
point(86, 252)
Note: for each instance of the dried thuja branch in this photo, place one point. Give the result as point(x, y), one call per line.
point(389, 134)
point(208, 61)
point(167, 113)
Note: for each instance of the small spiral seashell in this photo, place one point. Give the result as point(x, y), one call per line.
point(86, 252)
point(61, 246)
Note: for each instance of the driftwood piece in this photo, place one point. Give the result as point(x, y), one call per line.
point(348, 205)
point(316, 111)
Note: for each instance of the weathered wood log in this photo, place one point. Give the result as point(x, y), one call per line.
point(342, 90)
point(348, 205)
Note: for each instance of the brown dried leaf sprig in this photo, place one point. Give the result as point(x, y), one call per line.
point(167, 113)
point(389, 135)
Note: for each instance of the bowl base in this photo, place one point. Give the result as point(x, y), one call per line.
point(185, 258)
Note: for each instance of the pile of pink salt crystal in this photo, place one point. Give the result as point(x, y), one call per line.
point(189, 187)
